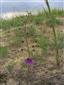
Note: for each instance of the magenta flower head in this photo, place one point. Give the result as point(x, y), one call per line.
point(29, 61)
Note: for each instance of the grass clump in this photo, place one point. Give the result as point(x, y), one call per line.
point(31, 31)
point(42, 42)
point(18, 36)
point(38, 19)
point(52, 21)
point(11, 23)
point(3, 52)
point(60, 40)
point(58, 13)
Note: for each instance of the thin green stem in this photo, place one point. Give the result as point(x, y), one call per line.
point(47, 3)
point(54, 34)
point(56, 48)
point(27, 44)
point(28, 47)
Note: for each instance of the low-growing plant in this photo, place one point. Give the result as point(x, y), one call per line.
point(42, 43)
point(52, 21)
point(3, 52)
point(9, 67)
point(12, 23)
point(58, 12)
point(60, 40)
point(19, 36)
point(31, 31)
point(38, 19)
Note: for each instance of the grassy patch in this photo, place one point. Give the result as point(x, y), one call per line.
point(20, 20)
point(3, 52)
point(42, 43)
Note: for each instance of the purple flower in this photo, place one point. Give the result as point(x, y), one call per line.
point(28, 61)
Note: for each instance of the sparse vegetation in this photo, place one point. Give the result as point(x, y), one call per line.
point(39, 37)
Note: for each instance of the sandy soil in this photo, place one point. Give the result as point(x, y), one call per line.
point(17, 55)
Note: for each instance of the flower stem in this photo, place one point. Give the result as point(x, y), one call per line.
point(27, 44)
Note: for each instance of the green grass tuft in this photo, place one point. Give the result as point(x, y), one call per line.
point(3, 52)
